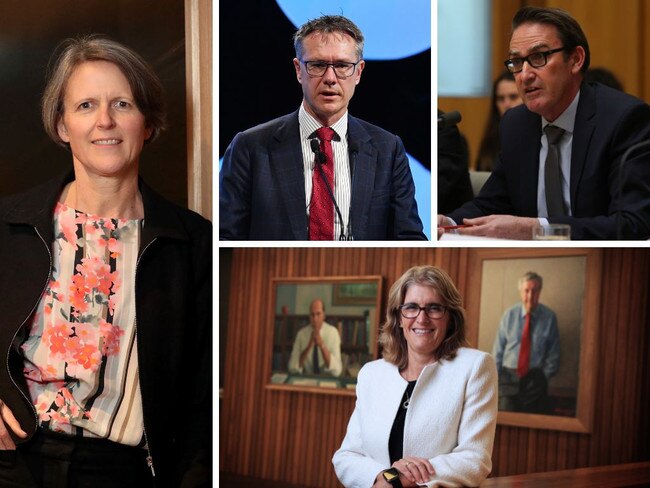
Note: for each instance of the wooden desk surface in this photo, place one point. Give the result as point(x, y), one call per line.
point(619, 475)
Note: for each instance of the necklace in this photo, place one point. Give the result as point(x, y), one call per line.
point(407, 393)
point(407, 401)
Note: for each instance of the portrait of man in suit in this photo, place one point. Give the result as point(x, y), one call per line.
point(319, 173)
point(532, 324)
point(562, 150)
point(527, 349)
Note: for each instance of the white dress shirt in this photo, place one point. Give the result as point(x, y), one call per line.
point(332, 341)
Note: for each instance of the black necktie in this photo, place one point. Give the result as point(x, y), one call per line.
point(552, 173)
point(315, 360)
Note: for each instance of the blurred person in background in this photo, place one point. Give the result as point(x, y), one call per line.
point(504, 96)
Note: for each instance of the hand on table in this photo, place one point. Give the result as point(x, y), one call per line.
point(501, 226)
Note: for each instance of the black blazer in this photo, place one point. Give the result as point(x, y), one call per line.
point(173, 289)
point(262, 185)
point(607, 123)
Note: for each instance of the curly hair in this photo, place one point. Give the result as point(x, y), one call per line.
point(391, 337)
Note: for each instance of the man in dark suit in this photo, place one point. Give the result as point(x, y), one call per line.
point(570, 172)
point(319, 173)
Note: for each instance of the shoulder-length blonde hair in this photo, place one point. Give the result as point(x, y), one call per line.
point(145, 85)
point(392, 339)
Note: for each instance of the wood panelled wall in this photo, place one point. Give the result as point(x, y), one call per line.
point(619, 40)
point(291, 436)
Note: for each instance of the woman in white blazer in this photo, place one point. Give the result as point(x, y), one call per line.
point(425, 413)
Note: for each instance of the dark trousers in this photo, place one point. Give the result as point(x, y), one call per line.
point(51, 460)
point(528, 394)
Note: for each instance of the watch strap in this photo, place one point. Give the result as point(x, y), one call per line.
point(392, 476)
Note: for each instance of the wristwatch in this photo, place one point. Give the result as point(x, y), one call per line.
point(392, 476)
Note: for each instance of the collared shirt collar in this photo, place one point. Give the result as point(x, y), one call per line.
point(532, 312)
point(309, 125)
point(567, 119)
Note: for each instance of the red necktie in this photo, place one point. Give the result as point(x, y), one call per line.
point(321, 208)
point(524, 349)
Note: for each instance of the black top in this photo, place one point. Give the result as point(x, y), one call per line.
point(396, 439)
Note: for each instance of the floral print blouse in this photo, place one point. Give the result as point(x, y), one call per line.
point(80, 349)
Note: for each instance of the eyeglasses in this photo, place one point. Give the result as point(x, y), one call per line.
point(433, 310)
point(341, 69)
point(536, 60)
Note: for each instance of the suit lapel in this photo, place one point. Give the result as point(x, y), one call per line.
point(363, 180)
point(583, 131)
point(286, 161)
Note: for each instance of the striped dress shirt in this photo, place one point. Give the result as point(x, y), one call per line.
point(342, 186)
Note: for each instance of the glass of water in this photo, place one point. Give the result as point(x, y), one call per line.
point(552, 232)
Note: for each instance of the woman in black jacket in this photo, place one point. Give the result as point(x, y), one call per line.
point(105, 300)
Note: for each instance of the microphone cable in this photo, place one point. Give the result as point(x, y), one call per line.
point(320, 160)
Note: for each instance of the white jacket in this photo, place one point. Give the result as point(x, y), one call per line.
point(451, 421)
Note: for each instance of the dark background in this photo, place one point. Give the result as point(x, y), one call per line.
point(30, 31)
point(257, 80)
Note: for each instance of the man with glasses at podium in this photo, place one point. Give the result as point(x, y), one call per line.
point(319, 173)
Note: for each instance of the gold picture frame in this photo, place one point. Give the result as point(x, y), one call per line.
point(352, 306)
point(562, 266)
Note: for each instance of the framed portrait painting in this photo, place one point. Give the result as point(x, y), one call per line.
point(541, 305)
point(325, 330)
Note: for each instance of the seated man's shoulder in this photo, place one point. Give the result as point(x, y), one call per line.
point(519, 122)
point(305, 329)
point(514, 309)
point(329, 326)
point(545, 309)
point(614, 109)
point(613, 99)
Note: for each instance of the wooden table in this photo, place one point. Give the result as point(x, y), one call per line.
point(618, 475)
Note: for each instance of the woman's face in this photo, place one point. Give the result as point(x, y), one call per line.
point(423, 334)
point(506, 96)
point(101, 121)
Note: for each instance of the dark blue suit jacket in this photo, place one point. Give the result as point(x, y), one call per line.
point(607, 123)
point(262, 185)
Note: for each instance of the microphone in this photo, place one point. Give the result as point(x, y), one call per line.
point(619, 210)
point(353, 148)
point(315, 147)
point(320, 160)
point(449, 119)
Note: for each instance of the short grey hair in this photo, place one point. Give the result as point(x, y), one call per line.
point(328, 24)
point(531, 276)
